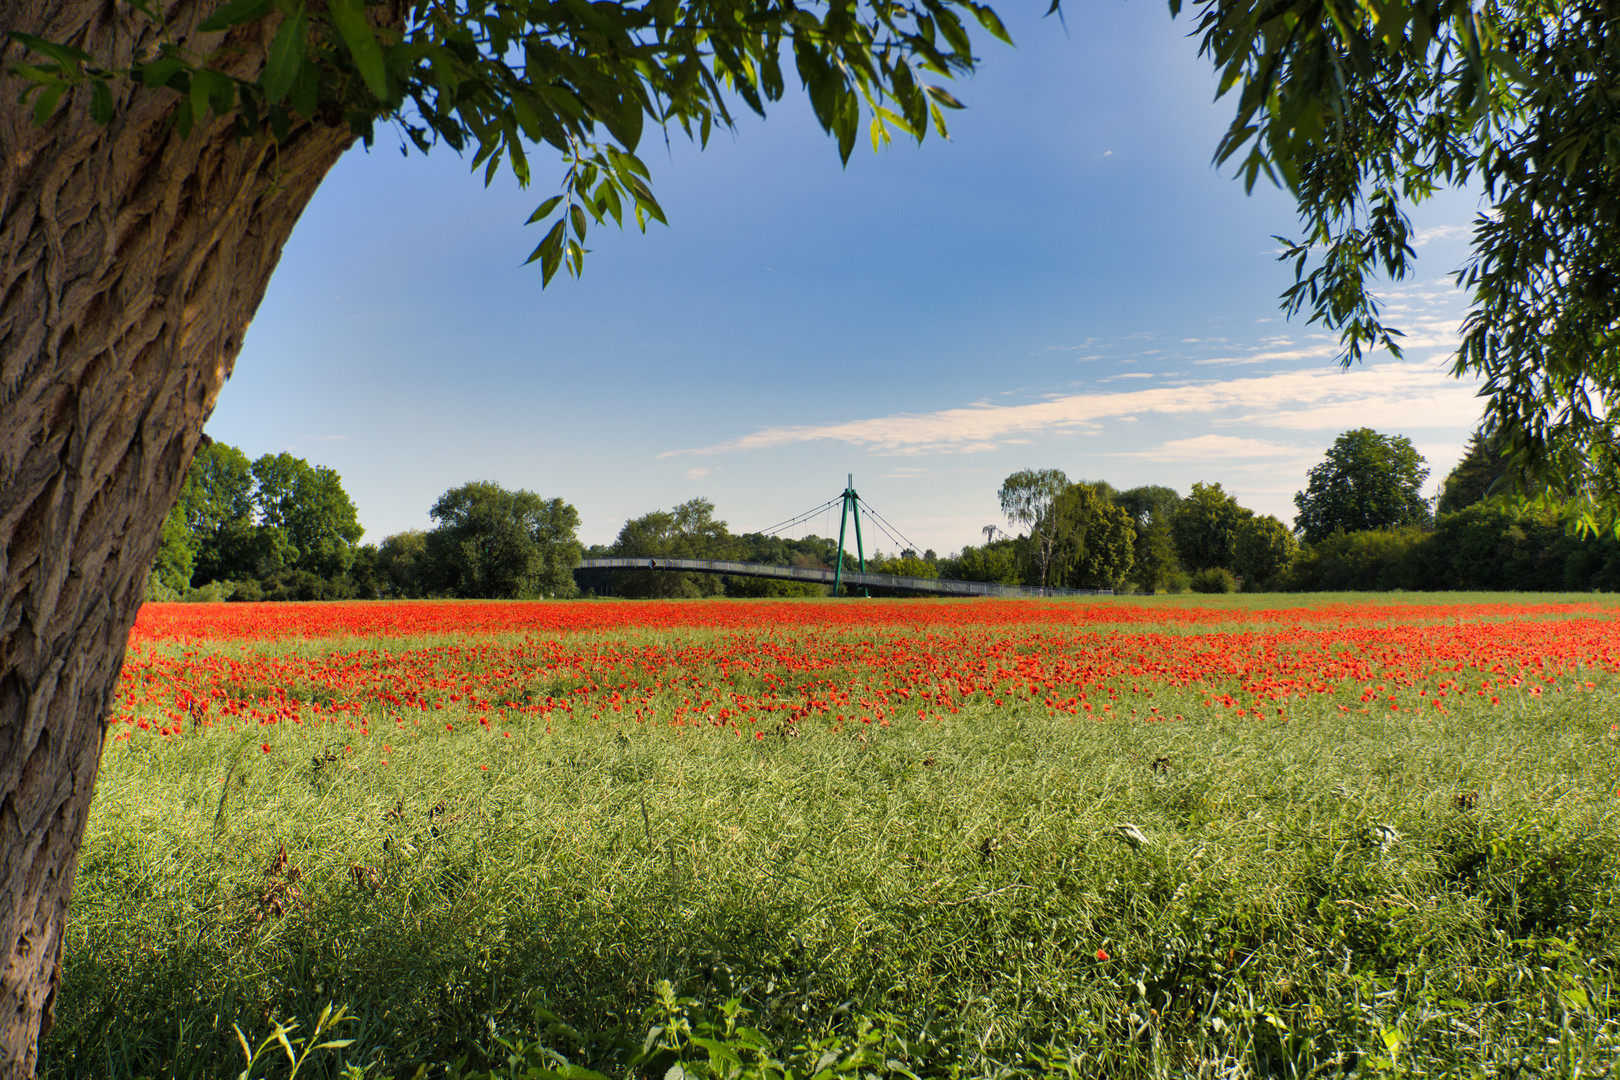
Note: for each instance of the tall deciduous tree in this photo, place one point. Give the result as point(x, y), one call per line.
point(1263, 550)
point(308, 514)
point(1093, 538)
point(1365, 481)
point(995, 562)
point(278, 513)
point(500, 544)
point(217, 500)
point(1026, 499)
point(1205, 528)
point(402, 564)
point(689, 531)
point(148, 182)
point(1154, 553)
point(1481, 472)
point(1364, 110)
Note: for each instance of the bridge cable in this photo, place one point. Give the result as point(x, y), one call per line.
point(797, 519)
point(903, 539)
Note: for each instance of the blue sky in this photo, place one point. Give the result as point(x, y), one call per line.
point(1068, 282)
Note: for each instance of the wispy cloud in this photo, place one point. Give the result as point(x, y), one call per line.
point(1310, 352)
point(1380, 395)
point(1215, 448)
point(1440, 232)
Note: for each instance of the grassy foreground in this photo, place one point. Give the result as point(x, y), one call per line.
point(1363, 842)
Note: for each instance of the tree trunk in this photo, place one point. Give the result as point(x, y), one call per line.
point(131, 261)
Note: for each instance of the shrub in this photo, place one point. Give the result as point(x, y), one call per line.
point(1374, 559)
point(158, 591)
point(1215, 579)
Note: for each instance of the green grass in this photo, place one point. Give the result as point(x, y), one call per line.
point(1313, 898)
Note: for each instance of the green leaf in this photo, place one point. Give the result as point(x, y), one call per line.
point(544, 211)
point(183, 118)
point(45, 104)
point(305, 95)
point(349, 16)
point(577, 216)
point(160, 71)
point(644, 200)
point(280, 123)
point(235, 13)
point(286, 57)
point(990, 21)
point(211, 91)
point(943, 96)
point(66, 56)
point(34, 73)
point(101, 102)
point(549, 252)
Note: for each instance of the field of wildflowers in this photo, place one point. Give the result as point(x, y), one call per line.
point(1129, 837)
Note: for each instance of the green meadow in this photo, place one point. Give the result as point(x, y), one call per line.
point(1002, 890)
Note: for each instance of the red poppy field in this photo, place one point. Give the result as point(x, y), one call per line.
point(1177, 836)
point(193, 668)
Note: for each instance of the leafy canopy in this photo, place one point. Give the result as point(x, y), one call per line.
point(493, 542)
point(242, 521)
point(1205, 527)
point(1026, 499)
point(1092, 539)
point(1363, 110)
point(1365, 481)
point(500, 76)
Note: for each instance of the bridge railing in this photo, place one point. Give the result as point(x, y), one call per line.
point(853, 578)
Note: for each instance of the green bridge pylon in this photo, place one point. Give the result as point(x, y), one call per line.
point(852, 504)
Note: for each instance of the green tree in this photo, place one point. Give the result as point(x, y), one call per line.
point(811, 552)
point(1483, 471)
point(995, 562)
point(1366, 482)
point(161, 155)
point(217, 500)
point(1026, 499)
point(1363, 111)
point(1263, 551)
point(1093, 539)
point(402, 564)
point(907, 564)
point(177, 555)
point(1151, 508)
point(1205, 528)
point(498, 544)
point(304, 515)
point(689, 531)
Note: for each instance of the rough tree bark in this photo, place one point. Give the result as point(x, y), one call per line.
point(131, 261)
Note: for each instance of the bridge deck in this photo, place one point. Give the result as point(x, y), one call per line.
point(853, 578)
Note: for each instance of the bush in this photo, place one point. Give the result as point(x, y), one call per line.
point(1216, 579)
point(1371, 560)
point(211, 593)
point(158, 591)
point(1175, 581)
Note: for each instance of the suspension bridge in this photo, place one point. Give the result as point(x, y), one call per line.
point(850, 505)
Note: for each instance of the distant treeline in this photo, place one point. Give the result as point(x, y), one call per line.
point(279, 528)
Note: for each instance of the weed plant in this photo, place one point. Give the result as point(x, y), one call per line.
point(1365, 892)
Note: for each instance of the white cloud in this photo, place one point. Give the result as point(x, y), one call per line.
point(1382, 395)
point(1213, 448)
point(1440, 232)
point(1311, 352)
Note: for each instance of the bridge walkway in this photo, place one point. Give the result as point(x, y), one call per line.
point(853, 578)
